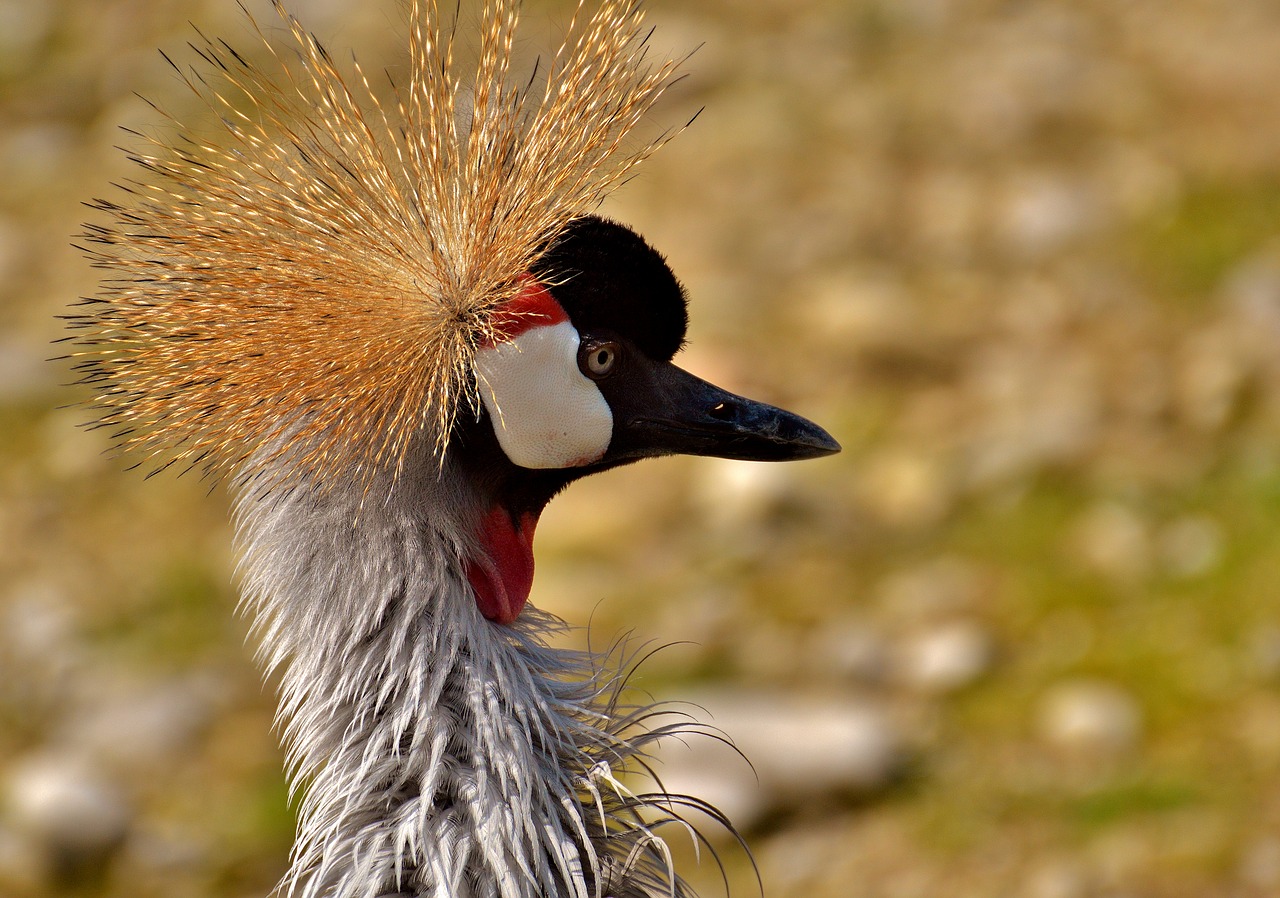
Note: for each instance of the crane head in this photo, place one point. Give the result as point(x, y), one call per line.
point(310, 294)
point(578, 379)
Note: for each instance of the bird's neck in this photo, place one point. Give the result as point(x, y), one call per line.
point(441, 754)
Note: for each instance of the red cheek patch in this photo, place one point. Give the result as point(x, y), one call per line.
point(502, 577)
point(533, 306)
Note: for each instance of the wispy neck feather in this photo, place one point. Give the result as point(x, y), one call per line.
point(441, 754)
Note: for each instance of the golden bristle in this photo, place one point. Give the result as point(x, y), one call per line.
point(311, 270)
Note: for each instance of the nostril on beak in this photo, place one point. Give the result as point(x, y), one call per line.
point(722, 411)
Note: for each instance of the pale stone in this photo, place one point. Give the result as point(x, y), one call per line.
point(1090, 716)
point(76, 816)
point(945, 657)
point(801, 749)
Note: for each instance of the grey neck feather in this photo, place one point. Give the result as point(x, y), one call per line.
point(441, 754)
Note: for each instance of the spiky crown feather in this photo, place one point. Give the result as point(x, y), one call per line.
point(315, 268)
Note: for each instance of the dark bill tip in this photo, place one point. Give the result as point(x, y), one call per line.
point(688, 416)
point(754, 431)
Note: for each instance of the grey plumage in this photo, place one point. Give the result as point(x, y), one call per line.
point(445, 756)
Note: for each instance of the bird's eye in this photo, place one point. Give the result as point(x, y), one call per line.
point(597, 358)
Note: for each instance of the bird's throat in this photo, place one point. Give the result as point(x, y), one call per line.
point(501, 575)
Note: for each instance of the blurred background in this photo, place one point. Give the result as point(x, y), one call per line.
point(1022, 638)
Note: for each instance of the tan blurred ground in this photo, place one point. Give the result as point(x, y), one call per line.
point(1022, 259)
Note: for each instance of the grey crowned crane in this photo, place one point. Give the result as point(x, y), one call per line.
point(395, 326)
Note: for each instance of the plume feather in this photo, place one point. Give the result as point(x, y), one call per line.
point(315, 262)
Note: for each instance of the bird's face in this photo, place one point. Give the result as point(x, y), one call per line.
point(579, 380)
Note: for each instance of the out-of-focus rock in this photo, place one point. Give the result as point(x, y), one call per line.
point(24, 27)
point(1212, 373)
point(906, 488)
point(1061, 879)
point(1042, 212)
point(1090, 717)
point(1191, 546)
point(945, 657)
point(1259, 866)
point(1251, 290)
point(133, 726)
point(937, 587)
point(733, 493)
point(1036, 405)
point(39, 648)
point(75, 816)
point(1113, 540)
point(848, 649)
point(802, 749)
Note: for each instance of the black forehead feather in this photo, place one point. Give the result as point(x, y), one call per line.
point(608, 278)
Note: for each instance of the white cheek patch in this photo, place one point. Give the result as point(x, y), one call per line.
point(545, 412)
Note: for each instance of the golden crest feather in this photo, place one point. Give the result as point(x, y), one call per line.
point(315, 264)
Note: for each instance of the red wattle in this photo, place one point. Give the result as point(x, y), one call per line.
point(502, 577)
